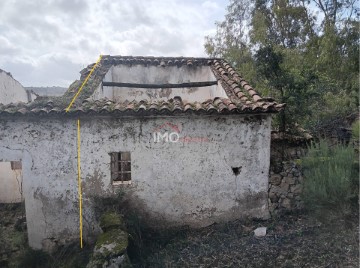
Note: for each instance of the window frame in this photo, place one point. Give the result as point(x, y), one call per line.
point(120, 167)
point(16, 165)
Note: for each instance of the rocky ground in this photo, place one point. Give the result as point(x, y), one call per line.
point(294, 240)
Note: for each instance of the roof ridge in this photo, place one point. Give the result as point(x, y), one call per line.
point(173, 106)
point(158, 57)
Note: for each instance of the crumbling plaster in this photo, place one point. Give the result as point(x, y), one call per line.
point(10, 184)
point(139, 74)
point(189, 182)
point(11, 91)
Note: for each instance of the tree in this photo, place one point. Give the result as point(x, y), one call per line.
point(285, 50)
point(231, 40)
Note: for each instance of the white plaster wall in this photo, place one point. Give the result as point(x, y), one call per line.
point(48, 157)
point(172, 183)
point(33, 97)
point(10, 184)
point(160, 75)
point(11, 91)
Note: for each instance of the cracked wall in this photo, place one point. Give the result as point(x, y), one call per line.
point(139, 74)
point(188, 182)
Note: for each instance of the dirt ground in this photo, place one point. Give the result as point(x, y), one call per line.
point(15, 252)
point(294, 240)
point(13, 236)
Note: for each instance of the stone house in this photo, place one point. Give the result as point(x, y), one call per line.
point(186, 139)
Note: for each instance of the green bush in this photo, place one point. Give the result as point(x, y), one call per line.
point(355, 129)
point(330, 177)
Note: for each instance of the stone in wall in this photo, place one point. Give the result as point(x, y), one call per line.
point(285, 178)
point(111, 245)
point(285, 188)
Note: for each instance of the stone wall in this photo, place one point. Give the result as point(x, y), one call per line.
point(285, 178)
point(285, 188)
point(217, 171)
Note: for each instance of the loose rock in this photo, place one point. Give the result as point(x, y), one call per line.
point(275, 179)
point(260, 232)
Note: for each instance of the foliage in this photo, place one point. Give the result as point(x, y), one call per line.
point(71, 255)
point(330, 177)
point(67, 256)
point(355, 136)
point(303, 53)
point(134, 224)
point(355, 130)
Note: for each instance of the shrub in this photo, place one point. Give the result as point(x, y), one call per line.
point(355, 136)
point(355, 130)
point(330, 177)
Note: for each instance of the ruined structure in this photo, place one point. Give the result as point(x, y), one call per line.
point(47, 91)
point(186, 139)
point(11, 91)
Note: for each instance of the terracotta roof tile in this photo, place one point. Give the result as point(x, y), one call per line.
point(218, 105)
point(242, 98)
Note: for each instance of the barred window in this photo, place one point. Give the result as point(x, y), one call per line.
point(121, 167)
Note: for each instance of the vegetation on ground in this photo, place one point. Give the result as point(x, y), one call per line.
point(294, 240)
point(304, 53)
point(331, 177)
point(355, 130)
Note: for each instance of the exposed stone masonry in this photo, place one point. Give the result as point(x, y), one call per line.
point(285, 178)
point(285, 188)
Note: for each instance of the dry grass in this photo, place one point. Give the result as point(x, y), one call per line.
point(296, 240)
point(292, 241)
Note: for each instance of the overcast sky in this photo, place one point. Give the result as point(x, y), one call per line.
point(47, 42)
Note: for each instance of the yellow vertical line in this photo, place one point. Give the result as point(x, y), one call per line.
point(83, 84)
point(79, 181)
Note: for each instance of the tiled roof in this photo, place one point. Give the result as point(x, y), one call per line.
point(242, 98)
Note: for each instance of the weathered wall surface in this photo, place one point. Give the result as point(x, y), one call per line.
point(286, 180)
point(11, 91)
point(139, 74)
point(10, 184)
point(191, 181)
point(49, 186)
point(285, 188)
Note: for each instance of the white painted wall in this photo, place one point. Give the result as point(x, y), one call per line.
point(10, 184)
point(188, 182)
point(140, 74)
point(11, 91)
